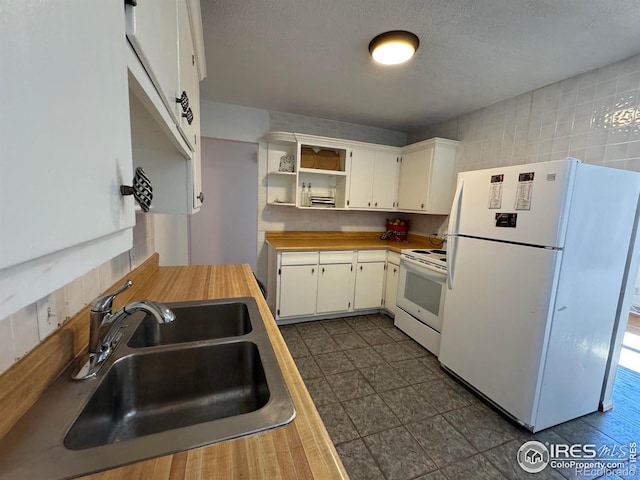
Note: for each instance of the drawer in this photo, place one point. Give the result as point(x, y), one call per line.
point(393, 257)
point(372, 256)
point(327, 258)
point(299, 258)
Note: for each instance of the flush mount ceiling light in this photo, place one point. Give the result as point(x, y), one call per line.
point(391, 48)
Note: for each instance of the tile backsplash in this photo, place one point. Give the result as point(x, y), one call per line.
point(594, 116)
point(19, 333)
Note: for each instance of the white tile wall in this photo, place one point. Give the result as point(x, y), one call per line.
point(594, 116)
point(19, 332)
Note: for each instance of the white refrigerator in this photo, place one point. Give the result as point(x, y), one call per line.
point(537, 259)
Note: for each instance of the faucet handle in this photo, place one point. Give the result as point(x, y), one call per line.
point(103, 303)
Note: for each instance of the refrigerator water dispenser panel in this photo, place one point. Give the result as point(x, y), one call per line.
point(507, 220)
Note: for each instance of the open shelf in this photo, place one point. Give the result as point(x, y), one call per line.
point(317, 171)
point(283, 173)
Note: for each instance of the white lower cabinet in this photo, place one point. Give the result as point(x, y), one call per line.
point(391, 282)
point(369, 279)
point(297, 284)
point(335, 282)
point(298, 287)
point(324, 283)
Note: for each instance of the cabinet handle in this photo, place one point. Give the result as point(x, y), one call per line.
point(422, 206)
point(360, 267)
point(183, 100)
point(142, 190)
point(313, 270)
point(395, 269)
point(369, 204)
point(188, 115)
point(201, 197)
point(376, 204)
point(322, 269)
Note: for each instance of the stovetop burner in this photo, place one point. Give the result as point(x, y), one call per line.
point(434, 258)
point(431, 252)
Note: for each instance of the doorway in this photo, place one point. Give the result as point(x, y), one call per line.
point(225, 230)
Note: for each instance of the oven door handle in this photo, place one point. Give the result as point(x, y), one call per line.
point(422, 270)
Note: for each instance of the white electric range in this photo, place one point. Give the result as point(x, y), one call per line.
point(421, 289)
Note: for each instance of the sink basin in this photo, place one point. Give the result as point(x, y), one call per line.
point(194, 323)
point(145, 394)
point(210, 376)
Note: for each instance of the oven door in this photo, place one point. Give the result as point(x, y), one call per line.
point(421, 292)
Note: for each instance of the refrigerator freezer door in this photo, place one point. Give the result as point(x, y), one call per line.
point(531, 202)
point(496, 318)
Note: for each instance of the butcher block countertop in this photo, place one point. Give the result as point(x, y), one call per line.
point(299, 450)
point(307, 241)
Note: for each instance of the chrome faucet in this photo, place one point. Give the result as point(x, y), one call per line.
point(104, 328)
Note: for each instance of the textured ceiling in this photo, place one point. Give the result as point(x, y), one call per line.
point(310, 57)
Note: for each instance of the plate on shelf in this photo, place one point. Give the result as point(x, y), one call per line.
point(328, 160)
point(286, 163)
point(307, 158)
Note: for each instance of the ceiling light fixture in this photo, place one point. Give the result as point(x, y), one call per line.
point(392, 48)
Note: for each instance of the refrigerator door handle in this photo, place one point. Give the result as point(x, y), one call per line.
point(453, 243)
point(455, 209)
point(453, 230)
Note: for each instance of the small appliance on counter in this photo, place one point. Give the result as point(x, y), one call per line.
point(396, 230)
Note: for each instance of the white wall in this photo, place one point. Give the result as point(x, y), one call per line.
point(172, 239)
point(232, 122)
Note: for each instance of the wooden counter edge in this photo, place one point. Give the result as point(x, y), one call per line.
point(309, 451)
point(24, 382)
point(299, 450)
point(321, 240)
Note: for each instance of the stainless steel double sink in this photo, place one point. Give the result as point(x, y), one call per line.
point(209, 376)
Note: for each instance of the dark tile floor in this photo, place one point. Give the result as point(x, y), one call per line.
point(394, 414)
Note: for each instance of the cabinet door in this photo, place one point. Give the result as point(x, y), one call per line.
point(369, 285)
point(334, 288)
point(298, 289)
point(152, 29)
point(391, 287)
point(61, 211)
point(413, 188)
point(361, 178)
point(385, 181)
point(60, 180)
point(188, 78)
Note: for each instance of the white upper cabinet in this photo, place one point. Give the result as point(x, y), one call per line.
point(61, 210)
point(165, 69)
point(427, 176)
point(361, 178)
point(418, 178)
point(385, 180)
point(189, 107)
point(373, 178)
point(152, 29)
